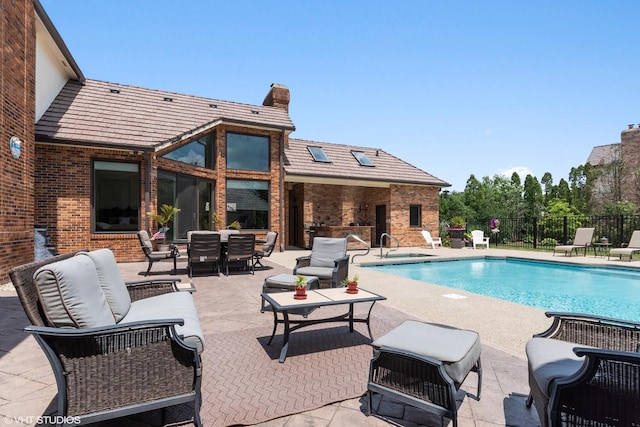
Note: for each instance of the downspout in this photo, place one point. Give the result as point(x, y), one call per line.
point(281, 233)
point(147, 186)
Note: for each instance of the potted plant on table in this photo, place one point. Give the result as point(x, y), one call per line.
point(301, 287)
point(166, 214)
point(352, 284)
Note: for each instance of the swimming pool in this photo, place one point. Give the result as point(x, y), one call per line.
point(611, 292)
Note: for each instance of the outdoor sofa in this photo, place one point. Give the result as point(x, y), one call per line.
point(585, 371)
point(116, 348)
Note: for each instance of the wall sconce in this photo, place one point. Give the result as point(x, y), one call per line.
point(15, 145)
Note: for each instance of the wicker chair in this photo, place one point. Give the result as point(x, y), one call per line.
point(113, 371)
point(585, 371)
point(328, 261)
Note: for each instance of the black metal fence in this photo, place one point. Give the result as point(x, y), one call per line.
point(545, 233)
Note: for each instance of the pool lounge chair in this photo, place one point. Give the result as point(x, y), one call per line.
point(431, 241)
point(633, 246)
point(582, 240)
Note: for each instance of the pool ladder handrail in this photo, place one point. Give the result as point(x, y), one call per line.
point(390, 250)
point(358, 239)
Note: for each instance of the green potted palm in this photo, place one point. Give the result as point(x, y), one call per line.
point(352, 284)
point(163, 217)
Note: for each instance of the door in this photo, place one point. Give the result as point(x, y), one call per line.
point(187, 202)
point(381, 223)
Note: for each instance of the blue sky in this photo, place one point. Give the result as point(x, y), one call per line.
point(453, 87)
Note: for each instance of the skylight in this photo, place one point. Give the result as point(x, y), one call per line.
point(362, 158)
point(318, 154)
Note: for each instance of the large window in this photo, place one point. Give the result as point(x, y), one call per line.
point(198, 153)
point(248, 203)
point(116, 196)
point(249, 152)
point(415, 216)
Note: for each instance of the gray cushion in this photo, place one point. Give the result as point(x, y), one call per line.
point(173, 305)
point(322, 272)
point(550, 359)
point(458, 349)
point(326, 250)
point(287, 281)
point(111, 281)
point(71, 295)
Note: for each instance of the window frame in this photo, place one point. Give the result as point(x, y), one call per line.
point(268, 201)
point(319, 156)
point(210, 139)
point(418, 223)
point(268, 159)
point(94, 208)
point(362, 158)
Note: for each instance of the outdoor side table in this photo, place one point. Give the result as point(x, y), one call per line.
point(601, 248)
point(424, 365)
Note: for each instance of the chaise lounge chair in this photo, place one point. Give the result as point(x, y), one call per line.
point(431, 241)
point(633, 246)
point(582, 240)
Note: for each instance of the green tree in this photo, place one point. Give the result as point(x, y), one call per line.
point(533, 199)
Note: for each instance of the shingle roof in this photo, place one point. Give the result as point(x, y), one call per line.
point(603, 154)
point(100, 112)
point(388, 168)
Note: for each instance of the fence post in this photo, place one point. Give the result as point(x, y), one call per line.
point(564, 230)
point(621, 230)
point(535, 232)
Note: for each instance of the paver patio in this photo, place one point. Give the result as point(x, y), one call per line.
point(228, 304)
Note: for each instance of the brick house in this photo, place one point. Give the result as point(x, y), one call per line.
point(99, 155)
point(619, 166)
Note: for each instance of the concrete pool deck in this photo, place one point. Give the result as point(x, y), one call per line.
point(27, 385)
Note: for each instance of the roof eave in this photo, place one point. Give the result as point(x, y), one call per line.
point(58, 40)
point(356, 182)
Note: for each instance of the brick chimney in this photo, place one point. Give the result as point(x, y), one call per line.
point(278, 96)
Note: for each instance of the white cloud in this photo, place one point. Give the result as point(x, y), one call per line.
point(521, 170)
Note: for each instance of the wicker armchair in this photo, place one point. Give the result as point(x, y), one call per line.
point(585, 371)
point(328, 261)
point(113, 371)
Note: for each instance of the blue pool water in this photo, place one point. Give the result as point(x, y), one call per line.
point(611, 292)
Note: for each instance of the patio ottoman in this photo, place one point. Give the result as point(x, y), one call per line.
point(424, 365)
point(286, 283)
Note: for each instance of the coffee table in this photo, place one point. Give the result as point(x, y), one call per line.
point(283, 302)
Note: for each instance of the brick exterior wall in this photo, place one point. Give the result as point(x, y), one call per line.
point(64, 191)
point(17, 30)
point(630, 154)
point(335, 205)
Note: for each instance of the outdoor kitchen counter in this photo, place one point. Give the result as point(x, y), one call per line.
point(364, 232)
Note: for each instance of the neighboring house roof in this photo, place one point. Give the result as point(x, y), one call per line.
point(110, 114)
point(603, 154)
point(345, 168)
